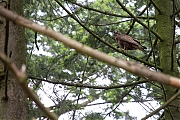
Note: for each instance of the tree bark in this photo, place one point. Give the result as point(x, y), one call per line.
point(13, 105)
point(167, 54)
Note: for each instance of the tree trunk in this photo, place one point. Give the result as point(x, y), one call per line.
point(13, 105)
point(165, 27)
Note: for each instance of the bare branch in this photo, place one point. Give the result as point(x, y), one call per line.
point(177, 23)
point(103, 41)
point(157, 8)
point(135, 18)
point(177, 42)
point(135, 68)
point(91, 86)
point(21, 79)
point(176, 12)
point(107, 13)
point(162, 106)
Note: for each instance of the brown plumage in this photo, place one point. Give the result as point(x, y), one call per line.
point(126, 42)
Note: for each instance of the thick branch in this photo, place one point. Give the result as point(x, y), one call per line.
point(131, 67)
point(21, 79)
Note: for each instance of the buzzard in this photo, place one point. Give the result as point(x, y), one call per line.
point(126, 42)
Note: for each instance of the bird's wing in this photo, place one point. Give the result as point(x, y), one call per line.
point(128, 39)
point(136, 41)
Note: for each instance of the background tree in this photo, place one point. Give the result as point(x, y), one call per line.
point(13, 103)
point(167, 51)
point(76, 81)
point(92, 23)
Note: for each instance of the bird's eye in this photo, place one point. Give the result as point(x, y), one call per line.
point(115, 32)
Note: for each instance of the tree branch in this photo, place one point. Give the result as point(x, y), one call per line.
point(91, 86)
point(162, 106)
point(21, 79)
point(107, 13)
point(135, 18)
point(176, 12)
point(157, 8)
point(134, 68)
point(86, 28)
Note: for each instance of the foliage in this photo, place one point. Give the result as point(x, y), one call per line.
point(58, 64)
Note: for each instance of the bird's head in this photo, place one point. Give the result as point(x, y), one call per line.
point(116, 32)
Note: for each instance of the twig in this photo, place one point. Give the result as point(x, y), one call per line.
point(135, 18)
point(106, 12)
point(96, 36)
point(121, 100)
point(134, 68)
point(157, 8)
point(175, 13)
point(21, 79)
point(91, 86)
point(162, 106)
point(177, 42)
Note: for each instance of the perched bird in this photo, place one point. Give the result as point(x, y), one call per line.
point(126, 42)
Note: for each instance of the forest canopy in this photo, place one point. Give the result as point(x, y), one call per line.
point(75, 84)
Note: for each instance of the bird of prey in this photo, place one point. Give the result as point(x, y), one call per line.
point(127, 42)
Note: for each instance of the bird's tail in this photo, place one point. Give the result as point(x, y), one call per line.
point(142, 48)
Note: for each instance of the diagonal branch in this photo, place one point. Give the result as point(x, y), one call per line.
point(176, 12)
point(21, 79)
point(121, 100)
point(132, 67)
point(135, 18)
point(139, 15)
point(157, 8)
point(96, 36)
point(162, 106)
